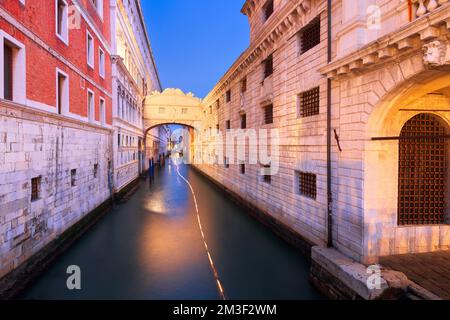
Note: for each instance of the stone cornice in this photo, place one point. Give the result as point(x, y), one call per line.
point(408, 38)
point(288, 18)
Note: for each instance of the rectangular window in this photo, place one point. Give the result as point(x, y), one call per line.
point(73, 177)
point(268, 9)
point(118, 140)
point(62, 28)
point(228, 96)
point(8, 76)
point(90, 105)
point(309, 103)
point(243, 121)
point(242, 168)
point(210, 109)
point(244, 85)
point(228, 124)
point(268, 114)
point(90, 50)
point(95, 170)
point(218, 104)
point(35, 188)
point(101, 58)
point(98, 5)
point(226, 162)
point(102, 111)
point(268, 66)
point(309, 36)
point(267, 175)
point(307, 184)
point(62, 93)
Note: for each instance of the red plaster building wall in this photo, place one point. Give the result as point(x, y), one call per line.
point(45, 51)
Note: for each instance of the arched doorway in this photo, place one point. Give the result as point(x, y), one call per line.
point(423, 177)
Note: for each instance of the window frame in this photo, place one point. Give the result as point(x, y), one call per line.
point(90, 60)
point(64, 37)
point(65, 107)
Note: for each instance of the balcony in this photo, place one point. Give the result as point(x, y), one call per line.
point(422, 7)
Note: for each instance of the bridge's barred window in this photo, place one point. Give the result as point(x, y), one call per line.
point(309, 103)
point(309, 36)
point(306, 184)
point(268, 66)
point(268, 9)
point(268, 114)
point(228, 96)
point(35, 188)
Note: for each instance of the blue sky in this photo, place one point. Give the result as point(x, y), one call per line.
point(195, 41)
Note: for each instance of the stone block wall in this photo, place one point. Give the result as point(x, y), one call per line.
point(35, 144)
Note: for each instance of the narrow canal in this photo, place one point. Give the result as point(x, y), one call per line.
point(151, 248)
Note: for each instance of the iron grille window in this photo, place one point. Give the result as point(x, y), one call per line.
point(268, 9)
point(244, 121)
point(244, 85)
point(35, 188)
point(228, 96)
point(267, 176)
point(423, 165)
point(268, 66)
point(307, 184)
point(268, 114)
point(228, 124)
point(73, 177)
point(309, 36)
point(242, 168)
point(309, 103)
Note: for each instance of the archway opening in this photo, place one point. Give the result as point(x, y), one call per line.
point(423, 171)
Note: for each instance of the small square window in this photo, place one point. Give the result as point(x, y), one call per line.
point(35, 188)
point(309, 103)
point(309, 36)
point(307, 184)
point(73, 177)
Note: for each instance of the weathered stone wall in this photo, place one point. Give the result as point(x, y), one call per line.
point(34, 144)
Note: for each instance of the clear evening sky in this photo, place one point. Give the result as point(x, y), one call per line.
point(195, 41)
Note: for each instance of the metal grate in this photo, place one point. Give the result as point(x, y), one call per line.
point(310, 36)
point(423, 163)
point(35, 188)
point(310, 103)
point(268, 114)
point(307, 184)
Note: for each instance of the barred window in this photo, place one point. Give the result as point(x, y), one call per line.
point(309, 36)
point(242, 168)
point(268, 114)
point(35, 188)
point(244, 85)
point(268, 66)
point(228, 96)
point(268, 9)
point(309, 103)
point(307, 184)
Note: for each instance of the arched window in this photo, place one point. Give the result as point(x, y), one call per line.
point(423, 177)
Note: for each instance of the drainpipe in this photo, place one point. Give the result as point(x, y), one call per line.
point(329, 193)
